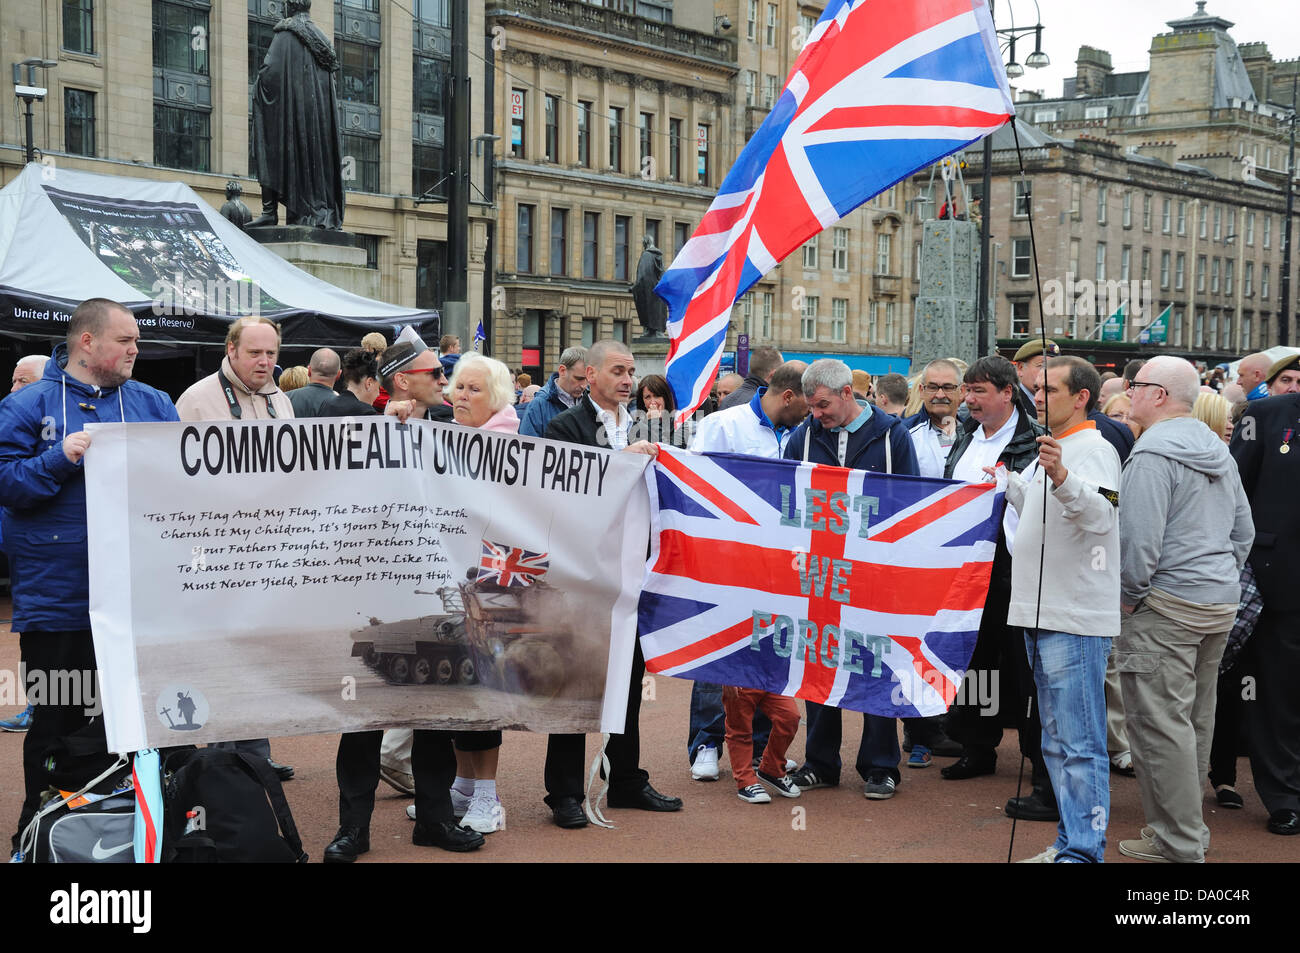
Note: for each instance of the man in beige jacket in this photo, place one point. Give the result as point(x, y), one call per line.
point(243, 390)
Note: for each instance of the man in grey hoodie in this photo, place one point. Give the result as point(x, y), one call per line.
point(1185, 531)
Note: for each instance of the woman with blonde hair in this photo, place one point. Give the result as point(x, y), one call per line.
point(293, 377)
point(481, 392)
point(1215, 412)
point(1117, 407)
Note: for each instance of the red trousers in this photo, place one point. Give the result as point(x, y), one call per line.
point(739, 704)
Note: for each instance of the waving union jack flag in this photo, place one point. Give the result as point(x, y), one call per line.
point(510, 566)
point(853, 589)
point(881, 89)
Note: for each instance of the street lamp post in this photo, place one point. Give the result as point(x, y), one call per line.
point(1035, 60)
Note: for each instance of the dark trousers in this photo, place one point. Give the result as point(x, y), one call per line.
point(565, 753)
point(1225, 744)
point(433, 765)
point(1273, 718)
point(51, 653)
point(708, 722)
point(1001, 650)
point(877, 750)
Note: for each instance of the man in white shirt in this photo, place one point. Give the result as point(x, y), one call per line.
point(997, 432)
point(1070, 613)
point(934, 436)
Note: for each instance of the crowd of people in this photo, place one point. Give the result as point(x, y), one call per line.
point(1141, 572)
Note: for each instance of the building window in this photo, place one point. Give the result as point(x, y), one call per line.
point(840, 249)
point(584, 134)
point(1146, 265)
point(652, 230)
point(1146, 212)
point(889, 322)
point(1268, 231)
point(524, 238)
point(751, 86)
point(839, 319)
point(1250, 228)
point(1024, 198)
point(702, 154)
point(681, 234)
point(1020, 258)
point(359, 72)
point(364, 153)
point(552, 129)
point(1263, 279)
point(1182, 216)
point(1200, 273)
point(1248, 280)
point(751, 20)
point(1180, 266)
point(518, 114)
point(1218, 222)
point(1264, 338)
point(622, 227)
point(769, 34)
point(79, 29)
point(808, 320)
point(646, 131)
point(884, 254)
point(559, 241)
point(78, 122)
point(428, 171)
point(436, 12)
point(1101, 204)
point(1245, 332)
point(1228, 268)
point(590, 244)
point(371, 245)
point(765, 325)
point(1199, 323)
point(590, 329)
point(429, 81)
point(746, 312)
point(616, 138)
point(1128, 210)
point(1214, 276)
point(174, 31)
point(810, 254)
point(769, 90)
point(1166, 220)
point(1101, 261)
point(1019, 318)
point(181, 138)
point(1202, 214)
point(675, 149)
point(1164, 270)
point(1176, 330)
point(1125, 263)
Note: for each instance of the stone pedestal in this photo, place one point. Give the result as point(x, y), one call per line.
point(329, 255)
point(650, 355)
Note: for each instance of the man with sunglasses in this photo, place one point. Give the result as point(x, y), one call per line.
point(1185, 530)
point(414, 379)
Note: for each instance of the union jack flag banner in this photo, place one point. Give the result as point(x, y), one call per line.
point(853, 589)
point(510, 566)
point(881, 89)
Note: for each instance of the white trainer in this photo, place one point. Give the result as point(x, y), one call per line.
point(485, 814)
point(705, 767)
point(459, 803)
point(1046, 857)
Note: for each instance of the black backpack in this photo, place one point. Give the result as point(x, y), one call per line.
point(239, 813)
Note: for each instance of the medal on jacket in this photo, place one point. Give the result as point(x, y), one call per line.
point(1286, 441)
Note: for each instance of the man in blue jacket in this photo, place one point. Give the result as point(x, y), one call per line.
point(843, 432)
point(43, 491)
point(558, 394)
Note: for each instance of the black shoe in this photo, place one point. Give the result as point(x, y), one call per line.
point(646, 799)
point(282, 771)
point(567, 813)
point(945, 747)
point(1284, 822)
point(446, 835)
point(1228, 797)
point(1032, 807)
point(348, 844)
point(907, 739)
point(970, 766)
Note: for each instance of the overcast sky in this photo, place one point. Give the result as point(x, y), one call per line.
point(1124, 29)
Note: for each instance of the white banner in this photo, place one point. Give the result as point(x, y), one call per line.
point(319, 575)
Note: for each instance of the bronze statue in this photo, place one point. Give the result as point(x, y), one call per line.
point(651, 310)
point(235, 211)
point(296, 126)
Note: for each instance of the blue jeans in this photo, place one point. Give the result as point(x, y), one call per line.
point(709, 722)
point(1070, 672)
point(878, 749)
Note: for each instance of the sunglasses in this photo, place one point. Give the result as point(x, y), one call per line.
point(425, 370)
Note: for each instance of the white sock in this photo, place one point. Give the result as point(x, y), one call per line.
point(485, 788)
point(463, 786)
